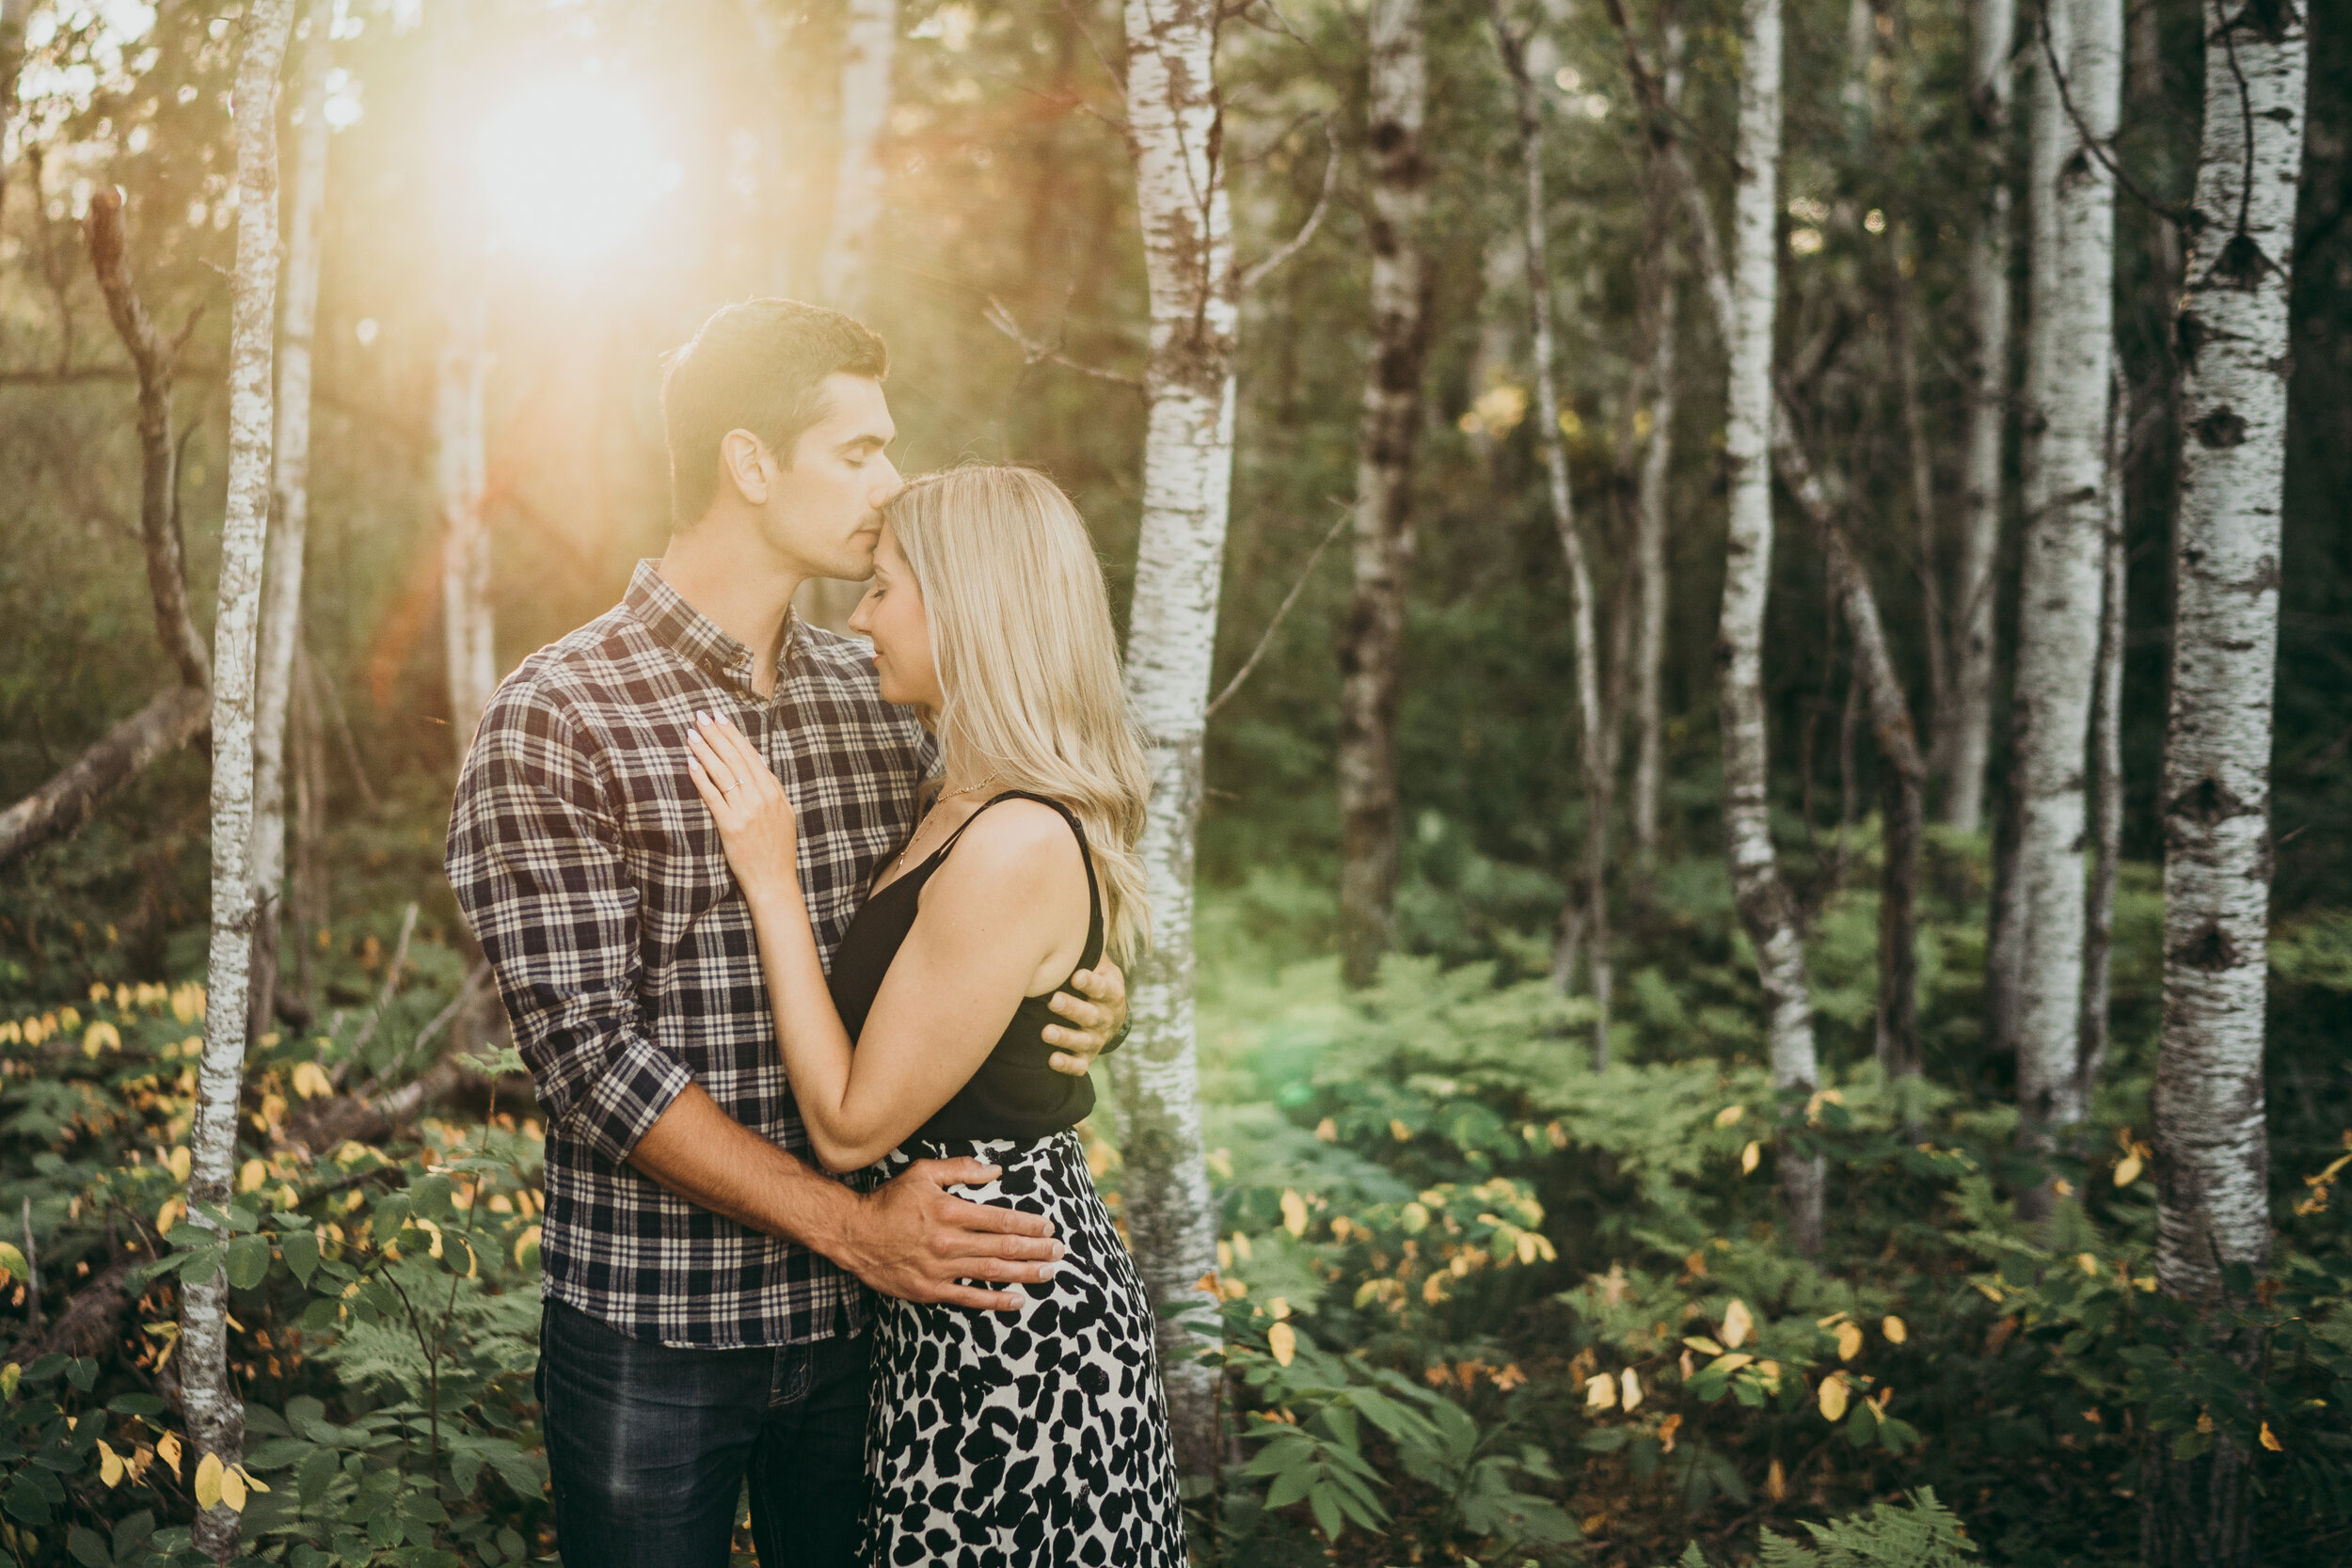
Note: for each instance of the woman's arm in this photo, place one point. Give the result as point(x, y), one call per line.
point(994, 919)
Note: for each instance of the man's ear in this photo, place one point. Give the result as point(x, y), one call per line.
point(744, 462)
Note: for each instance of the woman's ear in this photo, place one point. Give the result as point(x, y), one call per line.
point(744, 462)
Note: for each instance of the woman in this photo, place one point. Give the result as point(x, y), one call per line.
point(1043, 1438)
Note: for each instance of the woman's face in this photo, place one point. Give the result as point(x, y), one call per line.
point(892, 614)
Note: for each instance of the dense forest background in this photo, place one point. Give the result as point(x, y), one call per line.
point(1459, 1087)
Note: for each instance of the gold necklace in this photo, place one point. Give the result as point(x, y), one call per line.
point(946, 795)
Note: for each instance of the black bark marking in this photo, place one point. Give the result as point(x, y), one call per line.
point(2220, 429)
point(2241, 263)
point(2210, 950)
point(2208, 804)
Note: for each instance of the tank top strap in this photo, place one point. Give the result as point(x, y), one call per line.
point(1093, 953)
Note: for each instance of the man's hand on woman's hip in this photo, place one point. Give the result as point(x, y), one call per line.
point(915, 1240)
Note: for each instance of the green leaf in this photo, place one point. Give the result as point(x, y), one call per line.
point(137, 1404)
point(1326, 1511)
point(1289, 1486)
point(88, 1546)
point(302, 1255)
point(317, 1474)
point(27, 1501)
point(198, 1267)
point(248, 1261)
point(465, 1468)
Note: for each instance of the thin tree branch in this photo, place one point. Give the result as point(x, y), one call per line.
point(1266, 640)
point(1033, 351)
point(1258, 274)
point(2183, 218)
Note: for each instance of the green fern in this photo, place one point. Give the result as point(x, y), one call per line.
point(1921, 1534)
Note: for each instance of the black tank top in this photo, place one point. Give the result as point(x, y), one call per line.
point(1014, 1094)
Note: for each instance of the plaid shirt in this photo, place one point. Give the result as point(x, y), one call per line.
point(594, 879)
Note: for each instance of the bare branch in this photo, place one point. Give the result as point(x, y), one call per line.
point(150, 355)
point(60, 807)
point(1251, 278)
point(1033, 351)
point(1266, 640)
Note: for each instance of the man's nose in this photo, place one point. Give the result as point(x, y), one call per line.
point(887, 485)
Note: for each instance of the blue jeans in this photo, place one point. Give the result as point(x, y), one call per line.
point(649, 1447)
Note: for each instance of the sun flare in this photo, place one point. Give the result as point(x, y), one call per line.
point(569, 170)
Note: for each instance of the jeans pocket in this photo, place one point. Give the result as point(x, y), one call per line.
point(795, 1371)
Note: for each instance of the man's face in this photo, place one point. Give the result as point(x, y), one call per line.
point(824, 511)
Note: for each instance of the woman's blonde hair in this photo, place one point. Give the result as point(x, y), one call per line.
point(1028, 662)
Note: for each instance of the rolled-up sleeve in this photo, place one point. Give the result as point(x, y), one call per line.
point(534, 860)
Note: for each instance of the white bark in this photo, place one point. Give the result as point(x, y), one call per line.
point(1649, 507)
point(2209, 1161)
point(12, 17)
point(1173, 128)
point(1383, 554)
point(459, 476)
point(2106, 760)
point(215, 1418)
point(1587, 915)
point(1766, 908)
point(1967, 724)
point(866, 46)
point(2212, 1156)
point(281, 615)
point(2058, 617)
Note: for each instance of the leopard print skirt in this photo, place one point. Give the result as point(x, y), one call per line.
point(1003, 1440)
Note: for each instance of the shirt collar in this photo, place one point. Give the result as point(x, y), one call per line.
point(694, 636)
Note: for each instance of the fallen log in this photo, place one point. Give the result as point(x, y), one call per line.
point(93, 1316)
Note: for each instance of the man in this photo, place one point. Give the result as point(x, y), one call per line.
point(704, 1320)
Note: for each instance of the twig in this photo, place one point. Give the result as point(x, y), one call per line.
point(391, 987)
point(1256, 274)
point(2181, 217)
point(1033, 351)
point(467, 992)
point(334, 701)
point(32, 1275)
point(1274, 625)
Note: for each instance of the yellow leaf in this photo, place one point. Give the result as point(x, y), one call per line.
point(251, 1481)
point(1833, 1397)
point(167, 1446)
point(2087, 1263)
point(11, 1375)
point(2270, 1440)
point(1293, 1213)
point(1433, 1289)
point(1849, 1341)
point(527, 1242)
point(1601, 1392)
point(1284, 1342)
point(1398, 1130)
point(1278, 1308)
point(232, 1490)
point(208, 1474)
point(180, 1163)
point(250, 1177)
point(1729, 1115)
point(109, 1464)
point(1327, 1130)
point(1528, 1250)
point(1632, 1391)
point(1703, 1343)
point(1750, 1157)
point(1726, 1364)
point(2128, 1170)
point(311, 1081)
point(1241, 1245)
point(1737, 1324)
point(1413, 1218)
point(1776, 1482)
point(1894, 1330)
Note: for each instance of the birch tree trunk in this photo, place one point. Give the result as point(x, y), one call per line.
point(2210, 1152)
point(459, 468)
point(1966, 722)
point(2058, 616)
point(281, 612)
point(867, 47)
point(1767, 911)
point(2106, 760)
point(12, 16)
point(1588, 912)
point(214, 1415)
point(1173, 119)
point(1372, 646)
point(1650, 506)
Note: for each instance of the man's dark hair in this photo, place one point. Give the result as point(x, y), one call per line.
point(758, 365)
